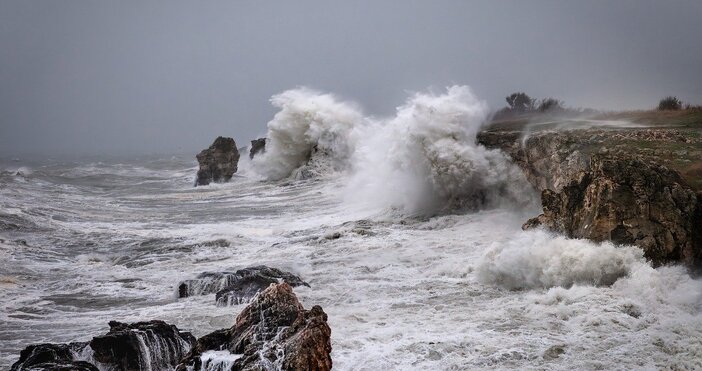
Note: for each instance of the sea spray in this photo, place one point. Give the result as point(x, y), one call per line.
point(426, 158)
point(311, 129)
point(538, 259)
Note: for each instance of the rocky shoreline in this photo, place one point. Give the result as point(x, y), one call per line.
point(626, 185)
point(274, 330)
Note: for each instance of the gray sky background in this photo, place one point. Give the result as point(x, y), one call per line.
point(135, 77)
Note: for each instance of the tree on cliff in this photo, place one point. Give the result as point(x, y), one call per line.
point(550, 105)
point(520, 102)
point(670, 103)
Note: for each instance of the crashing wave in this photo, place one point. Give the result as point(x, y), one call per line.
point(310, 135)
point(427, 158)
point(541, 260)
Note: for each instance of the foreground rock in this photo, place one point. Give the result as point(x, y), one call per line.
point(123, 345)
point(257, 146)
point(153, 345)
point(237, 287)
point(52, 357)
point(217, 163)
point(626, 201)
point(273, 332)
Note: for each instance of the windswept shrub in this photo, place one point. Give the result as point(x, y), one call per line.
point(520, 102)
point(670, 103)
point(550, 105)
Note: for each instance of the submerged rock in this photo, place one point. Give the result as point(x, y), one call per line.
point(627, 201)
point(257, 145)
point(152, 345)
point(273, 332)
point(217, 163)
point(237, 287)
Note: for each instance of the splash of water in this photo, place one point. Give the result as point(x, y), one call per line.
point(426, 158)
point(311, 129)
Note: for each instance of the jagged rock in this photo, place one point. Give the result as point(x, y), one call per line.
point(257, 145)
point(627, 201)
point(53, 357)
point(273, 332)
point(237, 287)
point(122, 347)
point(152, 345)
point(217, 163)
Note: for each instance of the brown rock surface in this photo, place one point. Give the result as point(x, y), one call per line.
point(274, 330)
point(627, 201)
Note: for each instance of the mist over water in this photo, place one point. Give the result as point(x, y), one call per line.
point(408, 232)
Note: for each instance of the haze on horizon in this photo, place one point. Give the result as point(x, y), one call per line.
point(162, 77)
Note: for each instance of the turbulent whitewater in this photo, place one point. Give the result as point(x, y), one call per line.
point(407, 231)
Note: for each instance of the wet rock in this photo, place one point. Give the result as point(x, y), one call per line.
point(257, 145)
point(627, 201)
point(273, 332)
point(52, 357)
point(217, 163)
point(151, 345)
point(237, 287)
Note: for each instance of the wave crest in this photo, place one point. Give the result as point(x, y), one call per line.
point(541, 260)
point(311, 129)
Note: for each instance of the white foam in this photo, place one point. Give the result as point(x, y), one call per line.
point(539, 259)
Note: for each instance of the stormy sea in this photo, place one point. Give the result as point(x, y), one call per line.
point(407, 231)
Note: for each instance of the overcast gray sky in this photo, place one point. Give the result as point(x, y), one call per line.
point(169, 76)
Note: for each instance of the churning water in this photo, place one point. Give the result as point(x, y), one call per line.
point(406, 230)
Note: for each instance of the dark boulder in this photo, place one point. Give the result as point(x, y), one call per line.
point(237, 287)
point(274, 330)
point(627, 201)
point(217, 163)
point(53, 357)
point(257, 145)
point(123, 346)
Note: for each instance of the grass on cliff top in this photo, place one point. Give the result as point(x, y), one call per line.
point(684, 156)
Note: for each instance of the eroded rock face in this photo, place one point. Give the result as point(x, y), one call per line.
point(217, 163)
point(238, 287)
point(257, 145)
point(627, 201)
point(550, 160)
point(273, 332)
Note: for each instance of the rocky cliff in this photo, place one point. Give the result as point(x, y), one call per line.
point(630, 185)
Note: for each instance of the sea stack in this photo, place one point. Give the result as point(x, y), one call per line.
point(257, 145)
point(217, 163)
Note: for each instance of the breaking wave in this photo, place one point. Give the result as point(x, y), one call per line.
point(427, 158)
point(424, 159)
point(310, 135)
point(540, 260)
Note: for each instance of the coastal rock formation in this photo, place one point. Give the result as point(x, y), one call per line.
point(123, 346)
point(549, 160)
point(53, 357)
point(217, 163)
point(257, 145)
point(237, 287)
point(152, 345)
point(273, 332)
point(626, 201)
